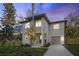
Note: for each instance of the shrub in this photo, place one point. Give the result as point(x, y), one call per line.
point(21, 51)
point(47, 45)
point(26, 45)
point(11, 43)
point(14, 51)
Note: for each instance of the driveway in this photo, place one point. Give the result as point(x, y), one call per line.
point(57, 50)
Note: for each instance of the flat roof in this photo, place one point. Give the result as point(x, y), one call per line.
point(37, 17)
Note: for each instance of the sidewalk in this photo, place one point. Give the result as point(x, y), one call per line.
point(57, 50)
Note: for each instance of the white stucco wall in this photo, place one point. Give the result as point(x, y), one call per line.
point(24, 40)
point(45, 26)
point(48, 29)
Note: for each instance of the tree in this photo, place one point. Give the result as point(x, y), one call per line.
point(30, 34)
point(72, 18)
point(31, 30)
point(8, 20)
point(72, 28)
point(9, 14)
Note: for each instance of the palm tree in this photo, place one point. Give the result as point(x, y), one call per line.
point(33, 9)
point(32, 27)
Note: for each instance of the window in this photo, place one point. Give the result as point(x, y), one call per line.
point(38, 23)
point(41, 37)
point(45, 41)
point(56, 26)
point(27, 25)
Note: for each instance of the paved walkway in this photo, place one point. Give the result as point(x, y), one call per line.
point(57, 50)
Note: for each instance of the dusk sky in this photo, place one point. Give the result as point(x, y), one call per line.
point(54, 11)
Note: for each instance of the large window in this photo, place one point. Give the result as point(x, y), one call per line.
point(27, 25)
point(56, 26)
point(38, 23)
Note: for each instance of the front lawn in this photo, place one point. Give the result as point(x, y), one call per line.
point(21, 51)
point(15, 48)
point(74, 49)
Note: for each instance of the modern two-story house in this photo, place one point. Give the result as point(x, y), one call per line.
point(46, 31)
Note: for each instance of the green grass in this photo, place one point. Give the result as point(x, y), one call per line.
point(21, 51)
point(38, 51)
point(74, 49)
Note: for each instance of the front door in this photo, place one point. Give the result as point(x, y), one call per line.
point(37, 41)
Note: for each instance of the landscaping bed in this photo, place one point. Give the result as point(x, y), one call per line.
point(73, 48)
point(21, 51)
point(15, 48)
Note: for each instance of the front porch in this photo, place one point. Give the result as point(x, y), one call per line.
point(38, 42)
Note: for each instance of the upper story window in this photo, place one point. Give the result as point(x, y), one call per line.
point(56, 26)
point(38, 23)
point(27, 25)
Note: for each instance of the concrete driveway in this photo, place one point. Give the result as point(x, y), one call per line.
point(57, 50)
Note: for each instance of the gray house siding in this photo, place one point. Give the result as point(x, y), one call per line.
point(38, 30)
point(57, 32)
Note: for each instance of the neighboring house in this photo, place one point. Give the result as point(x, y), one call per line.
point(46, 31)
point(18, 31)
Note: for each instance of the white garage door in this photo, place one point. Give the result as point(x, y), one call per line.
point(56, 40)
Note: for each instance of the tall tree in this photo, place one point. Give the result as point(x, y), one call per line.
point(33, 9)
point(72, 19)
point(8, 19)
point(72, 29)
point(9, 14)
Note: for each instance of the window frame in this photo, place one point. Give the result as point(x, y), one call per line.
point(56, 26)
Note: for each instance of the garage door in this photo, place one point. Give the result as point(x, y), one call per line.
point(56, 40)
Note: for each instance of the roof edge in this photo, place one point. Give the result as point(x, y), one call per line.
point(58, 21)
point(42, 15)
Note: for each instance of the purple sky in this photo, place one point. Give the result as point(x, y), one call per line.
point(54, 11)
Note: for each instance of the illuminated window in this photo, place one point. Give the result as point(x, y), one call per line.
point(41, 37)
point(38, 23)
point(27, 25)
point(56, 26)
